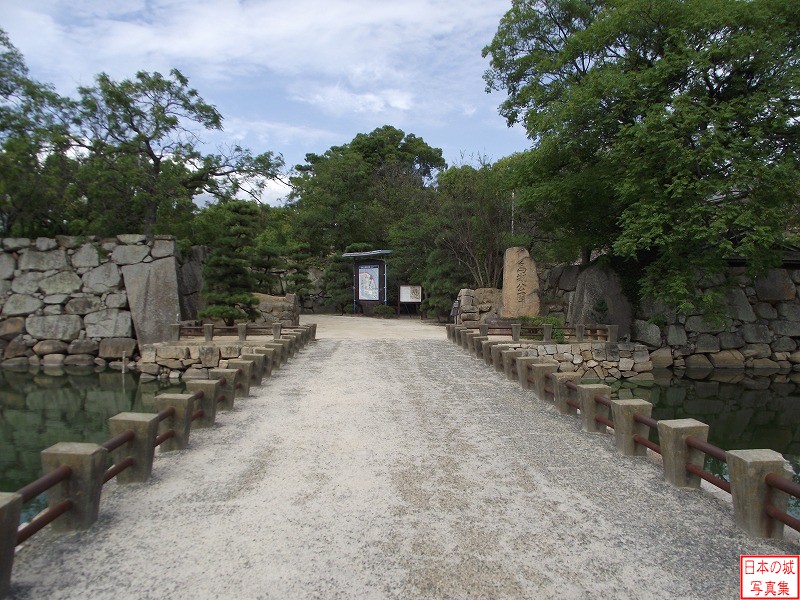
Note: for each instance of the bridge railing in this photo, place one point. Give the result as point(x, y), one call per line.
point(76, 472)
point(545, 333)
point(759, 481)
point(306, 332)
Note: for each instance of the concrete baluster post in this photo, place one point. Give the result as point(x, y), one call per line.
point(625, 427)
point(516, 329)
point(241, 330)
point(227, 389)
point(208, 331)
point(278, 356)
point(523, 375)
point(483, 328)
point(211, 389)
point(478, 343)
point(276, 331)
point(613, 334)
point(580, 332)
point(509, 364)
point(88, 464)
point(540, 382)
point(269, 357)
point(486, 347)
point(449, 329)
point(10, 509)
point(246, 367)
point(259, 365)
point(747, 470)
point(291, 344)
point(180, 422)
point(497, 356)
point(140, 448)
point(590, 408)
point(562, 392)
point(174, 332)
point(672, 434)
point(465, 336)
point(547, 329)
point(313, 332)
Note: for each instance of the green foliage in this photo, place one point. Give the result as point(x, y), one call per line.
point(556, 322)
point(351, 193)
point(228, 278)
point(665, 131)
point(383, 311)
point(337, 283)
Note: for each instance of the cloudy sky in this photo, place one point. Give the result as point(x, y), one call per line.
point(291, 77)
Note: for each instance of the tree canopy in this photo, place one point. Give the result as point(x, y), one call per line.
point(665, 130)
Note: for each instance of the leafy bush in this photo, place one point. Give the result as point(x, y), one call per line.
point(384, 312)
point(556, 322)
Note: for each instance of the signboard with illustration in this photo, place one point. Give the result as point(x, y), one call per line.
point(410, 294)
point(369, 278)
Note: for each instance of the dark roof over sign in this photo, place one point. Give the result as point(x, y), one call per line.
point(366, 254)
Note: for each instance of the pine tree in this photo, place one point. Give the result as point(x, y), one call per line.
point(228, 277)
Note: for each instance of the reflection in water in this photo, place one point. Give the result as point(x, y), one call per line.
point(71, 404)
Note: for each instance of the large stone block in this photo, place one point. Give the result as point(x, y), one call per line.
point(65, 282)
point(104, 278)
point(12, 244)
point(163, 248)
point(647, 333)
point(153, 298)
point(55, 327)
point(756, 334)
point(35, 260)
point(775, 285)
point(661, 358)
point(43, 244)
point(11, 327)
point(788, 328)
point(113, 348)
point(676, 335)
point(86, 257)
point(598, 298)
point(83, 347)
point(50, 347)
point(789, 311)
point(129, 255)
point(697, 324)
point(131, 238)
point(26, 283)
point(739, 306)
point(727, 359)
point(7, 265)
point(697, 361)
point(520, 284)
point(111, 322)
point(84, 305)
point(728, 341)
point(707, 343)
point(21, 304)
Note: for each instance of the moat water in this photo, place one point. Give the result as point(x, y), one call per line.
point(42, 407)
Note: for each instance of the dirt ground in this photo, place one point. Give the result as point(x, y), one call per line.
point(385, 462)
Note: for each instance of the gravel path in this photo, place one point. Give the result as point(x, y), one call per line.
point(385, 462)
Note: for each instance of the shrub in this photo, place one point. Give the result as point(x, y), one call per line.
point(384, 312)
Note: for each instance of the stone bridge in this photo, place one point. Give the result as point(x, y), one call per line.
point(388, 464)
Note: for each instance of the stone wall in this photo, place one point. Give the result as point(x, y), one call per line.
point(761, 329)
point(85, 300)
point(482, 305)
point(596, 360)
point(278, 309)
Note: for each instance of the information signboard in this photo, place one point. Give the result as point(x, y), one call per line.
point(410, 294)
point(369, 278)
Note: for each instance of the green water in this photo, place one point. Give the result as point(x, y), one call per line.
point(43, 407)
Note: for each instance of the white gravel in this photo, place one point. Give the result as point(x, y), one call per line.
point(385, 462)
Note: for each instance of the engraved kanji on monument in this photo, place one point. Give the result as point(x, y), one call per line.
point(520, 284)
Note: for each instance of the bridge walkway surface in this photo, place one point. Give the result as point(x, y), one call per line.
point(385, 462)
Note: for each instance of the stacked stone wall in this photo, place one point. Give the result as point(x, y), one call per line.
point(596, 360)
point(85, 300)
point(761, 329)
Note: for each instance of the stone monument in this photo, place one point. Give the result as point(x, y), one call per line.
point(520, 284)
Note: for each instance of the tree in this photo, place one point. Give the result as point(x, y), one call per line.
point(228, 279)
point(351, 193)
point(677, 119)
point(139, 142)
point(35, 168)
point(337, 282)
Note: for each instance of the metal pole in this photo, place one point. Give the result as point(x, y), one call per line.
point(385, 271)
